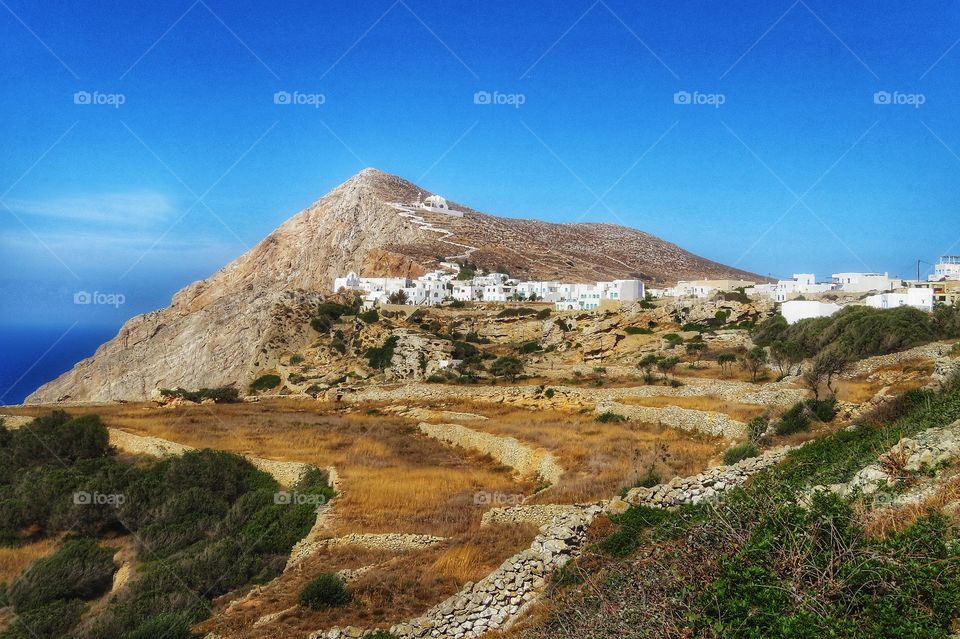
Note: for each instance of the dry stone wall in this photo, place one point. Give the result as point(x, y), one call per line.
point(708, 485)
point(499, 598)
point(688, 419)
point(527, 461)
point(539, 514)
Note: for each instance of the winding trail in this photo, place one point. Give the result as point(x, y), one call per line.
point(407, 212)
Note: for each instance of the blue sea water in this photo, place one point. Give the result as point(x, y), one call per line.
point(33, 355)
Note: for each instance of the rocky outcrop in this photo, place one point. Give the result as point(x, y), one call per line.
point(527, 461)
point(688, 419)
point(502, 596)
point(706, 486)
point(928, 449)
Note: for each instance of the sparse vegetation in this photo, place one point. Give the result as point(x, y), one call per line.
point(324, 591)
point(265, 382)
point(740, 452)
point(381, 357)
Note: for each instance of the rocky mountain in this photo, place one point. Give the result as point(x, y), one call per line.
point(223, 329)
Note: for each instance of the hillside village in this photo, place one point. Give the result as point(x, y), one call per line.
point(801, 297)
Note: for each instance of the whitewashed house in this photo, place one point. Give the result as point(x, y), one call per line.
point(862, 282)
point(920, 298)
point(947, 268)
point(795, 310)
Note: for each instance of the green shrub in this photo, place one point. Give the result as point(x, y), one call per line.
point(673, 339)
point(80, 569)
point(543, 313)
point(608, 417)
point(381, 357)
point(637, 330)
point(549, 393)
point(221, 395)
point(794, 420)
point(740, 452)
point(823, 409)
point(369, 317)
point(517, 311)
point(326, 591)
point(529, 347)
point(296, 359)
point(50, 621)
point(757, 428)
point(265, 382)
point(507, 367)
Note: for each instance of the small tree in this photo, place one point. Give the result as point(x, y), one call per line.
point(695, 349)
point(667, 364)
point(326, 591)
point(646, 364)
point(754, 360)
point(785, 355)
point(726, 360)
point(398, 297)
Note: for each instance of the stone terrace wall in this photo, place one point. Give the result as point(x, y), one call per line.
point(527, 461)
point(540, 514)
point(499, 598)
point(706, 422)
point(709, 484)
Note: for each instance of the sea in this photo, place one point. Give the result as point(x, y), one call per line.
point(33, 355)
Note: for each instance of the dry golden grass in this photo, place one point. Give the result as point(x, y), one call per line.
point(882, 522)
point(393, 479)
point(13, 561)
point(740, 412)
point(398, 588)
point(598, 459)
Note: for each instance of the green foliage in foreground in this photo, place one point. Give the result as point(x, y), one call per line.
point(205, 523)
point(766, 563)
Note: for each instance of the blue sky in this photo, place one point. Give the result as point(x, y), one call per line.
point(799, 169)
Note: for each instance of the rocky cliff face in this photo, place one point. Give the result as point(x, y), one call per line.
point(223, 329)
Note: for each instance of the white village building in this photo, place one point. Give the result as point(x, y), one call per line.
point(947, 268)
point(920, 298)
point(795, 310)
point(862, 282)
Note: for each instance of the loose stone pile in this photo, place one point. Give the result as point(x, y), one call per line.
point(497, 599)
point(708, 485)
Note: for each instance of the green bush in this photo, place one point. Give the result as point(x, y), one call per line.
point(517, 311)
point(608, 417)
point(529, 347)
point(794, 420)
point(543, 313)
point(369, 317)
point(221, 395)
point(740, 452)
point(823, 409)
point(50, 621)
point(637, 330)
point(326, 591)
point(381, 357)
point(507, 367)
point(265, 382)
point(80, 569)
point(673, 339)
point(549, 393)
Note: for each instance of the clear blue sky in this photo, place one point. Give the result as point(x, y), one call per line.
point(104, 198)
